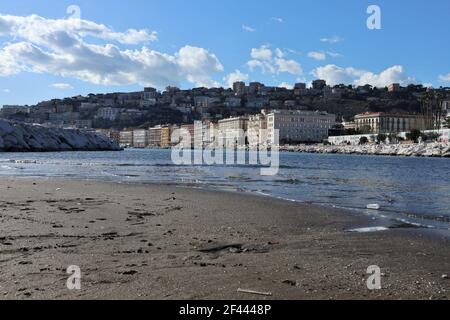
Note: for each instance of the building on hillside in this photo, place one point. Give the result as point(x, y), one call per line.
point(149, 97)
point(300, 89)
point(83, 124)
point(255, 88)
point(319, 84)
point(64, 108)
point(67, 117)
point(295, 126)
point(88, 107)
point(257, 102)
point(395, 87)
point(7, 110)
point(233, 102)
point(379, 122)
point(239, 88)
point(108, 113)
point(149, 93)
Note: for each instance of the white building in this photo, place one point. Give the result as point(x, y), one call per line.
point(380, 122)
point(446, 108)
point(126, 138)
point(205, 101)
point(108, 113)
point(257, 130)
point(298, 126)
point(353, 140)
point(140, 138)
point(233, 131)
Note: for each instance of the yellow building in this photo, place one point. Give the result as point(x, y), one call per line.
point(165, 137)
point(379, 122)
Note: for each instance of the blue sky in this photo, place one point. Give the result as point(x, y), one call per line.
point(203, 42)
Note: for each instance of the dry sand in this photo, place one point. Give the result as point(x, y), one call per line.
point(166, 242)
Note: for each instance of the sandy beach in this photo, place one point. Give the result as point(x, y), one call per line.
point(167, 242)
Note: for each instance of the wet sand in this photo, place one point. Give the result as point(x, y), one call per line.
point(166, 242)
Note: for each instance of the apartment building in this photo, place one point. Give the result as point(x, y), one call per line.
point(10, 110)
point(379, 122)
point(296, 126)
point(233, 131)
point(257, 130)
point(190, 129)
point(108, 113)
point(140, 138)
point(126, 138)
point(166, 132)
point(154, 136)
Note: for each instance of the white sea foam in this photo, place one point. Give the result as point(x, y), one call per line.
point(368, 229)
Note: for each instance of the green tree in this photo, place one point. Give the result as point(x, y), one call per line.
point(414, 135)
point(363, 141)
point(446, 122)
point(381, 138)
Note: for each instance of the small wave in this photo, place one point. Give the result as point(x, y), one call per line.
point(368, 229)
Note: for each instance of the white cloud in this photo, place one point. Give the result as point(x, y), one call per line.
point(279, 53)
point(248, 28)
point(264, 66)
point(334, 39)
point(262, 53)
point(445, 78)
point(6, 91)
point(286, 85)
point(40, 30)
point(334, 54)
point(289, 66)
point(316, 55)
point(263, 59)
point(277, 19)
point(60, 47)
point(235, 76)
point(62, 86)
point(336, 75)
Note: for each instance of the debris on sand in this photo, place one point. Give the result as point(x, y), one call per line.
point(259, 293)
point(292, 283)
point(222, 247)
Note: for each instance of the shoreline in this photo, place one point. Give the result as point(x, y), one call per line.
point(166, 242)
point(387, 219)
point(425, 150)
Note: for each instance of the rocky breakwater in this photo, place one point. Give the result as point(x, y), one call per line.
point(406, 150)
point(28, 138)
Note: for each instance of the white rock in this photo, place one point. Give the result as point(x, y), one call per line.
point(22, 138)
